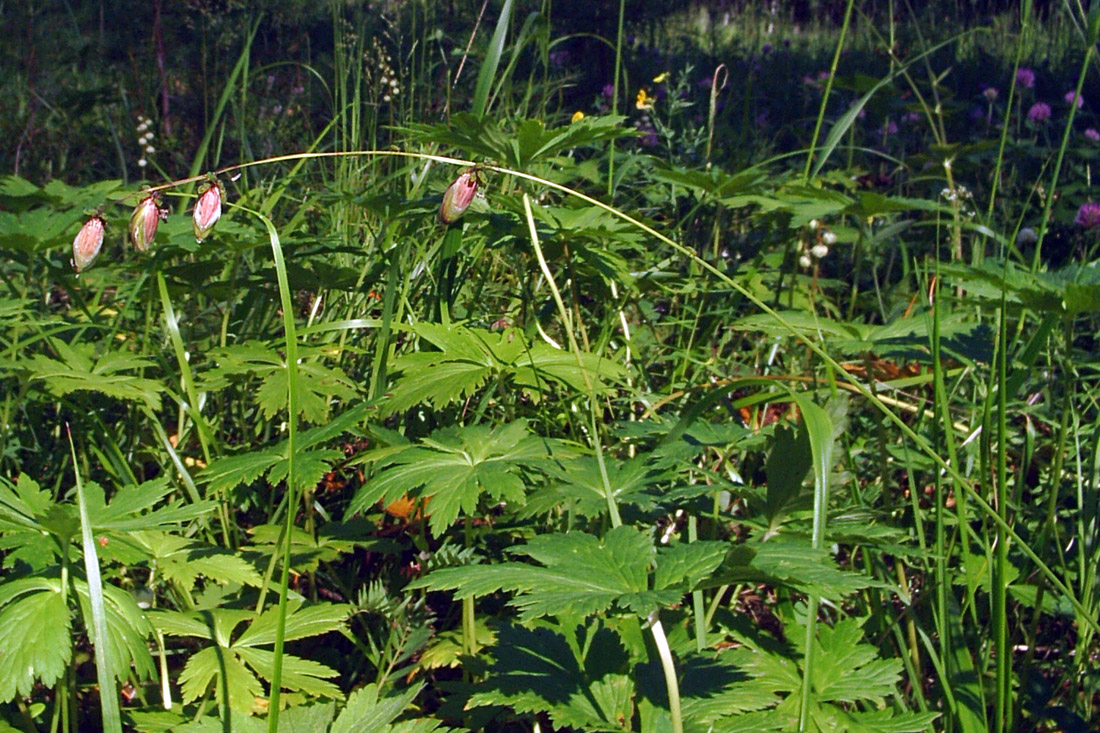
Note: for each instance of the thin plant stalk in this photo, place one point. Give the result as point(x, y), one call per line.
point(1048, 204)
point(105, 675)
point(828, 90)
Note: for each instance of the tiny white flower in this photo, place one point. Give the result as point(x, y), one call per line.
point(142, 163)
point(828, 237)
point(150, 149)
point(814, 224)
point(819, 251)
point(804, 261)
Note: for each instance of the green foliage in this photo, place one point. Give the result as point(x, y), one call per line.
point(468, 358)
point(582, 574)
point(820, 454)
point(235, 664)
point(455, 467)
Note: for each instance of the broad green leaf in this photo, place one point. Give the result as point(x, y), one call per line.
point(300, 675)
point(300, 623)
point(682, 565)
point(318, 385)
point(34, 636)
point(788, 463)
point(792, 562)
point(454, 468)
point(367, 710)
point(581, 575)
point(183, 561)
point(469, 357)
point(127, 510)
point(75, 371)
point(234, 684)
point(537, 670)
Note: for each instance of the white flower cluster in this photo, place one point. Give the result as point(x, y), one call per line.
point(959, 195)
point(388, 86)
point(823, 239)
point(145, 140)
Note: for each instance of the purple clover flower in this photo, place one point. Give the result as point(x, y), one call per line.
point(608, 90)
point(1071, 98)
point(1092, 135)
point(1025, 77)
point(1039, 112)
point(1088, 216)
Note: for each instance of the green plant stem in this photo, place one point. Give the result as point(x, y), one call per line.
point(828, 89)
point(615, 98)
point(999, 600)
point(697, 595)
point(291, 342)
point(1048, 204)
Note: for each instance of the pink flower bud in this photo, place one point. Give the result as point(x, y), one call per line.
point(87, 244)
point(458, 197)
point(143, 222)
point(208, 210)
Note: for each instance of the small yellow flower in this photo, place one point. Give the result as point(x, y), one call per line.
point(577, 116)
point(644, 101)
point(661, 78)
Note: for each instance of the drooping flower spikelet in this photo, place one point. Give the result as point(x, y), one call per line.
point(88, 242)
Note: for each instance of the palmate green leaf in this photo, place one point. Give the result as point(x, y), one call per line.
point(713, 181)
point(183, 561)
point(75, 370)
point(581, 575)
point(684, 564)
point(537, 670)
point(469, 357)
point(366, 710)
point(22, 503)
point(1070, 290)
point(300, 623)
point(788, 561)
point(34, 635)
point(299, 675)
point(846, 671)
point(229, 472)
point(455, 467)
point(234, 683)
point(579, 485)
point(242, 658)
point(127, 510)
point(490, 138)
point(318, 385)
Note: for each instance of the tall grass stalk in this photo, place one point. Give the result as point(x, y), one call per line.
point(104, 668)
point(828, 90)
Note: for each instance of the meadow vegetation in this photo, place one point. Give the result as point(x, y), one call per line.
point(549, 366)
